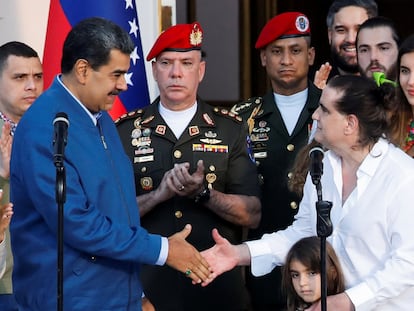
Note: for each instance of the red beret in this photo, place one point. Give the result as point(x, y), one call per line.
point(179, 38)
point(285, 25)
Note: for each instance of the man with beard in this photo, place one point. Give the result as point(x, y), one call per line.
point(279, 125)
point(343, 21)
point(377, 47)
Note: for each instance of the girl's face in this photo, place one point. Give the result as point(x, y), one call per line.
point(306, 283)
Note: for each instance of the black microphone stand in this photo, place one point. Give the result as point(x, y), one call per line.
point(60, 200)
point(324, 229)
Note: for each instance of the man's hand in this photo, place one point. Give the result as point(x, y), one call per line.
point(222, 257)
point(147, 305)
point(183, 257)
point(183, 183)
point(5, 150)
point(321, 75)
point(6, 213)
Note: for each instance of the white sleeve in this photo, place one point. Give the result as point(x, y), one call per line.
point(270, 251)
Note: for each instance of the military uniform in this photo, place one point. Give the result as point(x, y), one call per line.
point(274, 151)
point(220, 139)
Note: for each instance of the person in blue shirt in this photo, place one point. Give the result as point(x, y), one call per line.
point(104, 244)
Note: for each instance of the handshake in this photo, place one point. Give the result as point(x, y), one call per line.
point(203, 267)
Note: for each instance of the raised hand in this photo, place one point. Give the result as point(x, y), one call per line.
point(5, 150)
point(321, 75)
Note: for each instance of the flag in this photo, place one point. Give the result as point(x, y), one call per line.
point(63, 14)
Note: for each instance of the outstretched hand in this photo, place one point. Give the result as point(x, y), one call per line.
point(183, 257)
point(222, 257)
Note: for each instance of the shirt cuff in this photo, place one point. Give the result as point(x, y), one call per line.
point(162, 258)
point(361, 296)
point(261, 257)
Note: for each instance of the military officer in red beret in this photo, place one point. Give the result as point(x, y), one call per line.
point(192, 165)
point(279, 124)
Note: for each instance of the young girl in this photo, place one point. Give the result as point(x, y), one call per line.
point(302, 274)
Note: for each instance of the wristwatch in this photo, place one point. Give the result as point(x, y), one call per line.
point(203, 196)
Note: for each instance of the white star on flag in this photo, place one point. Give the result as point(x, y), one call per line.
point(134, 56)
point(128, 4)
point(128, 78)
point(134, 27)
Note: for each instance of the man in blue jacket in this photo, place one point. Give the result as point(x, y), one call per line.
point(104, 243)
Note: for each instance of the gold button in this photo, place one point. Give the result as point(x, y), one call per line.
point(293, 205)
point(290, 147)
point(212, 168)
point(177, 154)
point(143, 169)
point(290, 175)
point(178, 214)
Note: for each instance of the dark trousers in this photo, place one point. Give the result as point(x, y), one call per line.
point(266, 291)
point(8, 303)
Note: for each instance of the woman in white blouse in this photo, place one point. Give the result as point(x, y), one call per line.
point(370, 183)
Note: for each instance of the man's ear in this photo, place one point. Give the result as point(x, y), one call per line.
point(352, 125)
point(81, 69)
point(263, 57)
point(329, 36)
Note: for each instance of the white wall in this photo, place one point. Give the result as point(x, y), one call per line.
point(24, 20)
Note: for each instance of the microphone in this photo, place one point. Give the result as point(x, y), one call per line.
point(60, 138)
point(316, 166)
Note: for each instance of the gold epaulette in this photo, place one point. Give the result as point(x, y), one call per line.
point(227, 113)
point(247, 105)
point(129, 115)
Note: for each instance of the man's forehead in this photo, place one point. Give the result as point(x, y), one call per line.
point(180, 55)
point(376, 35)
point(296, 41)
point(14, 62)
point(350, 16)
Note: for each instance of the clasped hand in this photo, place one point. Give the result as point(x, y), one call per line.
point(180, 182)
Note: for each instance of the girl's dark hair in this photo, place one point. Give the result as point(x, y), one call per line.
point(370, 103)
point(300, 168)
point(308, 252)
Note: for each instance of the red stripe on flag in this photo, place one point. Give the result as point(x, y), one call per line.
point(117, 109)
point(64, 12)
point(57, 28)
